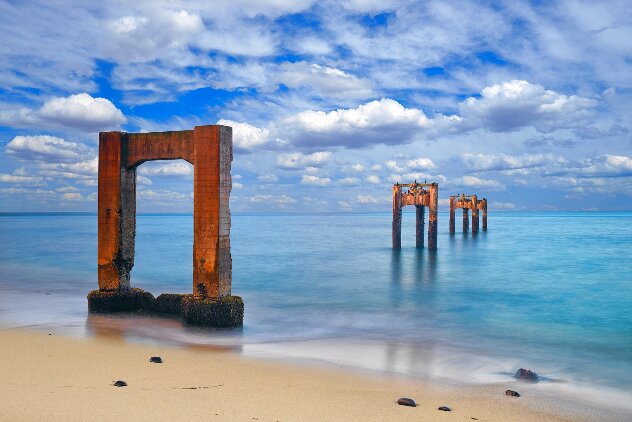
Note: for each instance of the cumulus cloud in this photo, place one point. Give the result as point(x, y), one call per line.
point(71, 196)
point(603, 166)
point(308, 179)
point(382, 121)
point(79, 111)
point(46, 148)
point(421, 163)
point(373, 179)
point(497, 162)
point(516, 104)
point(348, 181)
point(477, 182)
point(297, 160)
point(324, 80)
point(246, 137)
point(21, 180)
point(268, 178)
point(176, 168)
point(366, 199)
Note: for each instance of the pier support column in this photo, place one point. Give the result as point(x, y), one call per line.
point(433, 191)
point(451, 215)
point(474, 214)
point(466, 220)
point(116, 213)
point(212, 262)
point(484, 214)
point(397, 217)
point(419, 225)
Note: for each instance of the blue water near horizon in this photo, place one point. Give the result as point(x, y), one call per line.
point(549, 290)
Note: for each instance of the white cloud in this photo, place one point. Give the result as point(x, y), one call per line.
point(46, 148)
point(79, 111)
point(161, 195)
point(21, 180)
point(420, 163)
point(176, 168)
point(497, 162)
point(80, 170)
point(515, 104)
point(501, 206)
point(326, 81)
point(268, 177)
point(476, 182)
point(297, 160)
point(310, 180)
point(246, 137)
point(373, 179)
point(348, 181)
point(71, 196)
point(393, 166)
point(383, 121)
point(357, 168)
point(278, 200)
point(366, 199)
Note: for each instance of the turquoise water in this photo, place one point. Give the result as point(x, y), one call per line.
point(550, 291)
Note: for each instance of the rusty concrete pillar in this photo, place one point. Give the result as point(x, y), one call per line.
point(452, 215)
point(419, 225)
point(484, 214)
point(212, 263)
point(466, 220)
point(474, 214)
point(397, 217)
point(433, 191)
point(116, 213)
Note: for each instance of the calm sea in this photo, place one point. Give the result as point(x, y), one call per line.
point(548, 291)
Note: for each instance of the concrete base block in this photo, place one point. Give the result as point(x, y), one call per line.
point(170, 303)
point(224, 312)
point(130, 300)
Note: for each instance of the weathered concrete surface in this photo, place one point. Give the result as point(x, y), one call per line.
point(116, 213)
point(484, 214)
point(130, 300)
point(474, 215)
point(419, 225)
point(433, 208)
point(212, 260)
point(143, 147)
point(209, 149)
point(223, 312)
point(397, 217)
point(466, 220)
point(452, 222)
point(420, 198)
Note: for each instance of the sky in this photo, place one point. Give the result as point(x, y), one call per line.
point(331, 102)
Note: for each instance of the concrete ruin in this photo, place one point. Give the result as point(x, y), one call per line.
point(421, 195)
point(209, 149)
point(467, 203)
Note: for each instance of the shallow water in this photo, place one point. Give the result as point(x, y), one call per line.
point(550, 291)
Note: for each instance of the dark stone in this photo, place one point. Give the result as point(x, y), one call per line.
point(445, 408)
point(155, 359)
point(224, 312)
point(120, 383)
point(130, 300)
point(405, 401)
point(512, 393)
point(526, 375)
point(169, 303)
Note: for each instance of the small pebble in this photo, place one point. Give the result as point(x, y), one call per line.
point(512, 393)
point(445, 409)
point(155, 359)
point(120, 383)
point(404, 401)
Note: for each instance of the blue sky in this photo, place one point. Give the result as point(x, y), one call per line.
point(525, 103)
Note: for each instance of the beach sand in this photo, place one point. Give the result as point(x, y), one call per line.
point(51, 377)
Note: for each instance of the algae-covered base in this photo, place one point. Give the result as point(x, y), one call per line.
point(131, 300)
point(223, 312)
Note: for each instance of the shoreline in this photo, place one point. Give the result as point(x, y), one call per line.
point(53, 377)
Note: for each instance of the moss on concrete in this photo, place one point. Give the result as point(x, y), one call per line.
point(224, 312)
point(130, 300)
point(169, 303)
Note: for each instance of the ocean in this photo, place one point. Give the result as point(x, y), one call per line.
point(549, 291)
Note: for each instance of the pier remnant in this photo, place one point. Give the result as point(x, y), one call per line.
point(467, 203)
point(209, 149)
point(420, 195)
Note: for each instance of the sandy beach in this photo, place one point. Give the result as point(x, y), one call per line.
point(50, 377)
